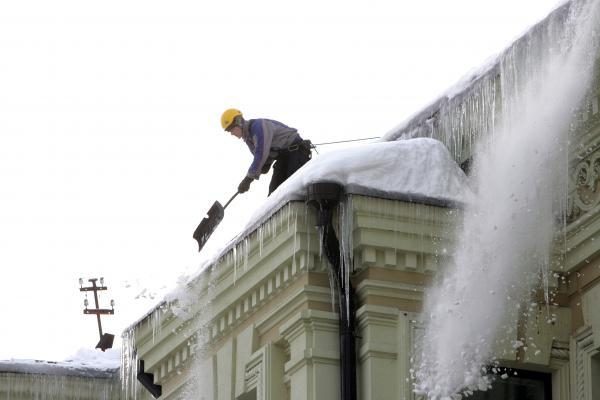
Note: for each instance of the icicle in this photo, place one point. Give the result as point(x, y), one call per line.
point(246, 251)
point(129, 364)
point(275, 223)
point(305, 212)
point(48, 386)
point(333, 288)
point(234, 250)
point(155, 319)
point(321, 233)
point(296, 246)
point(260, 240)
point(346, 249)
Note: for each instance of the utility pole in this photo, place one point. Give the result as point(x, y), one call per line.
point(106, 339)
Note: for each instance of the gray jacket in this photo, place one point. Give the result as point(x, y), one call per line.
point(264, 138)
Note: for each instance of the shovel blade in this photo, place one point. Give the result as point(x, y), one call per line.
point(106, 341)
point(209, 224)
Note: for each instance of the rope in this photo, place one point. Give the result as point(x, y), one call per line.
point(345, 141)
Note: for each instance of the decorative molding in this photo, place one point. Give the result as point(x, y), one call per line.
point(585, 176)
point(560, 350)
point(249, 302)
point(373, 321)
point(304, 329)
point(584, 349)
point(586, 179)
point(173, 363)
point(254, 374)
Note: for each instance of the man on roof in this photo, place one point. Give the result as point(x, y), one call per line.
point(269, 142)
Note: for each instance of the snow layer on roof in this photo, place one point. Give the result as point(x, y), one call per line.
point(418, 170)
point(86, 363)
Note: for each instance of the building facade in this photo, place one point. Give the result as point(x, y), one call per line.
point(263, 321)
point(270, 327)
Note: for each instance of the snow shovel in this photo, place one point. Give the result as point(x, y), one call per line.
point(209, 224)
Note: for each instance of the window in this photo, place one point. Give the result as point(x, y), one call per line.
point(525, 385)
point(251, 395)
point(595, 372)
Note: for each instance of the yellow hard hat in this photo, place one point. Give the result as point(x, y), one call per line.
point(228, 117)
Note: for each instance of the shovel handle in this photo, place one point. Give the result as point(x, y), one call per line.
point(230, 200)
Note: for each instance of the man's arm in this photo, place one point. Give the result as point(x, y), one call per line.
point(262, 136)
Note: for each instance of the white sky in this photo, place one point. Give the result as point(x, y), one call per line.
point(111, 149)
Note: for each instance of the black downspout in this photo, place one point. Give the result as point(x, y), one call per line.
point(324, 197)
point(147, 380)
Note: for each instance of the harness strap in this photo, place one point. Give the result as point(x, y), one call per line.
point(297, 145)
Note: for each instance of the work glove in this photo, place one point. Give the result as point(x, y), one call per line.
point(245, 184)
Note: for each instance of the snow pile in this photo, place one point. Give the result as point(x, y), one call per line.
point(85, 363)
point(94, 358)
point(417, 170)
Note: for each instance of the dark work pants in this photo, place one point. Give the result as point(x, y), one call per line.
point(286, 163)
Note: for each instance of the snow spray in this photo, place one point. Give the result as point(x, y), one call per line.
point(520, 176)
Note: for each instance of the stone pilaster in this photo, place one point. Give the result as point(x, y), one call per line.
point(313, 368)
